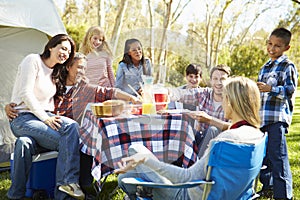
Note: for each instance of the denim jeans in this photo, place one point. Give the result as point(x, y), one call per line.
point(146, 173)
point(278, 172)
point(65, 141)
point(203, 139)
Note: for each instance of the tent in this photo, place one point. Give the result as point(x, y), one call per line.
point(25, 27)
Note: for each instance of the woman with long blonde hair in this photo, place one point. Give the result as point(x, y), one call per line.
point(241, 102)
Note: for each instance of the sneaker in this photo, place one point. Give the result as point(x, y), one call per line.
point(73, 190)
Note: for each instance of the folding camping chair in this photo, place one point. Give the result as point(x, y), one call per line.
point(231, 171)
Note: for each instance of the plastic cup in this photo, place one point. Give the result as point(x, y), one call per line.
point(148, 108)
point(161, 101)
point(160, 98)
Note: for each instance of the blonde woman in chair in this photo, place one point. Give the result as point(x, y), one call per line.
point(241, 103)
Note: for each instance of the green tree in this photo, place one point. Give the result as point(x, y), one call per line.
point(226, 26)
point(77, 33)
point(176, 72)
point(292, 22)
point(90, 12)
point(246, 60)
point(71, 13)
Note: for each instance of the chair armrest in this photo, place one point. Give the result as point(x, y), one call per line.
point(142, 182)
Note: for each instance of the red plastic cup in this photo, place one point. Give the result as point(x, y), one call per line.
point(160, 98)
point(161, 101)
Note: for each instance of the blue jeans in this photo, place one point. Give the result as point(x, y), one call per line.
point(204, 138)
point(278, 173)
point(146, 173)
point(65, 141)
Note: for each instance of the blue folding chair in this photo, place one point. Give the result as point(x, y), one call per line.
point(231, 171)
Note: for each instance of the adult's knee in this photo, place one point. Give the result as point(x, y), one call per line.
point(69, 128)
point(139, 148)
point(120, 177)
point(213, 131)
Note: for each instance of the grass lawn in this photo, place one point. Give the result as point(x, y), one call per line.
point(293, 139)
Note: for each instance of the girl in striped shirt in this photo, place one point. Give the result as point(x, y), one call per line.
point(99, 66)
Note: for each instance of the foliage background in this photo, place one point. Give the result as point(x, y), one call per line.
point(222, 32)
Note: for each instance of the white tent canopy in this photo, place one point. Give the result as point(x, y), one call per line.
point(24, 28)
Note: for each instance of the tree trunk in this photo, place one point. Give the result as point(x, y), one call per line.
point(161, 62)
point(151, 31)
point(207, 38)
point(101, 13)
point(118, 25)
point(219, 32)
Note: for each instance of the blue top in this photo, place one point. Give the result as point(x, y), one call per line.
point(277, 105)
point(130, 74)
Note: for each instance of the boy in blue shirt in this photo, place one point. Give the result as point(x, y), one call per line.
point(277, 82)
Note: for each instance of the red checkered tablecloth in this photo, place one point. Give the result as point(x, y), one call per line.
point(170, 137)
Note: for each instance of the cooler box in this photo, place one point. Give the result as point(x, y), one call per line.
point(41, 181)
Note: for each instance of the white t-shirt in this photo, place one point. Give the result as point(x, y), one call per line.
point(34, 89)
point(217, 104)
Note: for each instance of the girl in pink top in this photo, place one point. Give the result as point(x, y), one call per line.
point(99, 66)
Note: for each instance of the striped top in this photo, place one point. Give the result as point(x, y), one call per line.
point(99, 69)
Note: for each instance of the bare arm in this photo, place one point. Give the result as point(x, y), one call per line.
point(203, 117)
point(119, 94)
